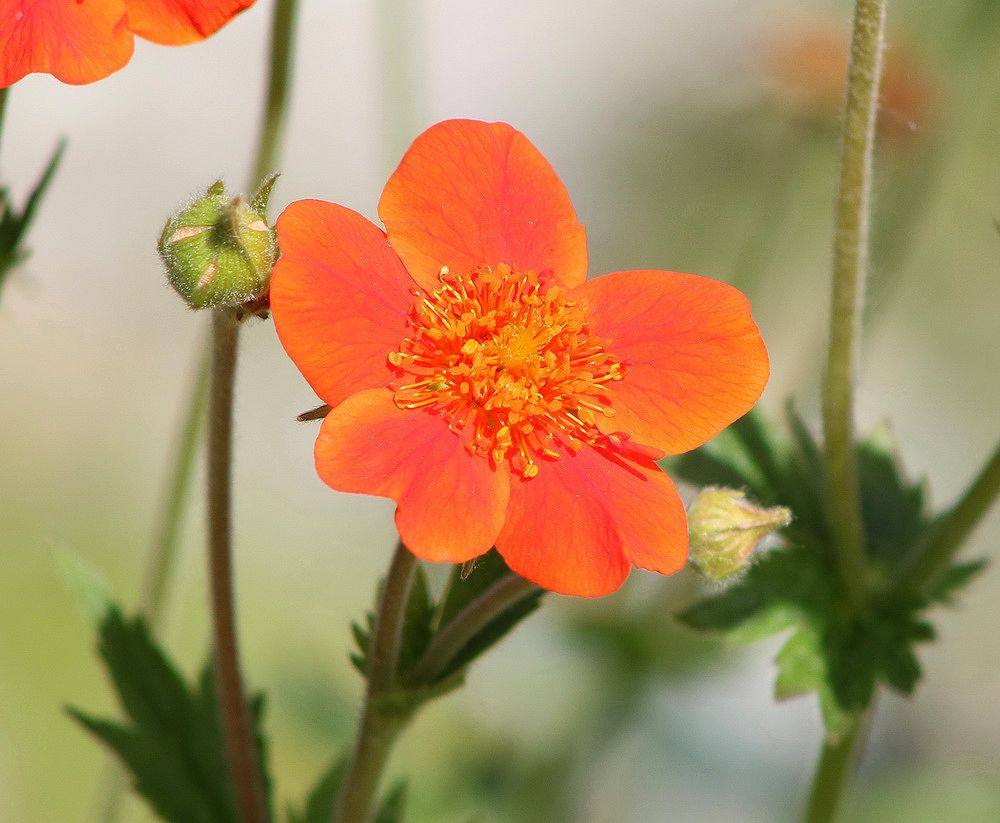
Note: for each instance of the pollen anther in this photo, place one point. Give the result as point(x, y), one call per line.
point(510, 363)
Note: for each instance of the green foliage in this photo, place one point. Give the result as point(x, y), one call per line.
point(14, 225)
point(837, 652)
point(171, 741)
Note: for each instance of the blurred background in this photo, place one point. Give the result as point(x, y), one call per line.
point(695, 135)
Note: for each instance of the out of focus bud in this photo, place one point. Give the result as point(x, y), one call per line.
point(219, 249)
point(725, 528)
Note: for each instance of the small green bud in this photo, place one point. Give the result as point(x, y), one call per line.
point(725, 528)
point(219, 250)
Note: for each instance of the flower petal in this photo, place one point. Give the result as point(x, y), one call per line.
point(176, 22)
point(339, 297)
point(469, 194)
point(75, 42)
point(451, 505)
point(695, 358)
point(580, 524)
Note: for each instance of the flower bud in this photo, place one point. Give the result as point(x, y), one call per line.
point(219, 250)
point(725, 528)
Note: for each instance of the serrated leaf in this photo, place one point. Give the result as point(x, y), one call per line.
point(801, 668)
point(893, 509)
point(171, 741)
point(784, 576)
point(954, 580)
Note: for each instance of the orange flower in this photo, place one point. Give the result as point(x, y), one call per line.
point(481, 383)
point(80, 41)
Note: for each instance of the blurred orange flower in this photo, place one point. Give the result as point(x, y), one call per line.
point(808, 68)
point(476, 379)
point(80, 41)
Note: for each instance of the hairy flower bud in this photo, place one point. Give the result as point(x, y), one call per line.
point(725, 528)
point(219, 250)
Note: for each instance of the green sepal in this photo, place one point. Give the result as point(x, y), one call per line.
point(218, 250)
point(171, 741)
point(417, 625)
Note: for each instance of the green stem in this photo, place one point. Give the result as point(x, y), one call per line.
point(953, 528)
point(379, 727)
point(837, 763)
point(278, 83)
point(241, 745)
point(850, 262)
point(479, 613)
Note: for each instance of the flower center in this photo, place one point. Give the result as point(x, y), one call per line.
point(502, 356)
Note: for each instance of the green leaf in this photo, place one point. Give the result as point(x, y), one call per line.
point(363, 637)
point(171, 742)
point(954, 580)
point(892, 508)
point(14, 225)
point(701, 468)
point(323, 796)
point(781, 577)
point(801, 669)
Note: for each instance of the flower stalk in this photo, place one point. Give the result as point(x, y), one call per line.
point(241, 745)
point(850, 262)
point(837, 762)
point(379, 727)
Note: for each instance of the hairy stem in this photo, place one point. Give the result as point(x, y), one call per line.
point(241, 746)
point(451, 639)
point(837, 762)
point(278, 83)
point(953, 528)
point(850, 262)
point(378, 727)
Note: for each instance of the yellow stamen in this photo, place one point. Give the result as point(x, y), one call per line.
point(510, 364)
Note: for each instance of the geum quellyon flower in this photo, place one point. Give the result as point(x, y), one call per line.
point(480, 381)
point(80, 41)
